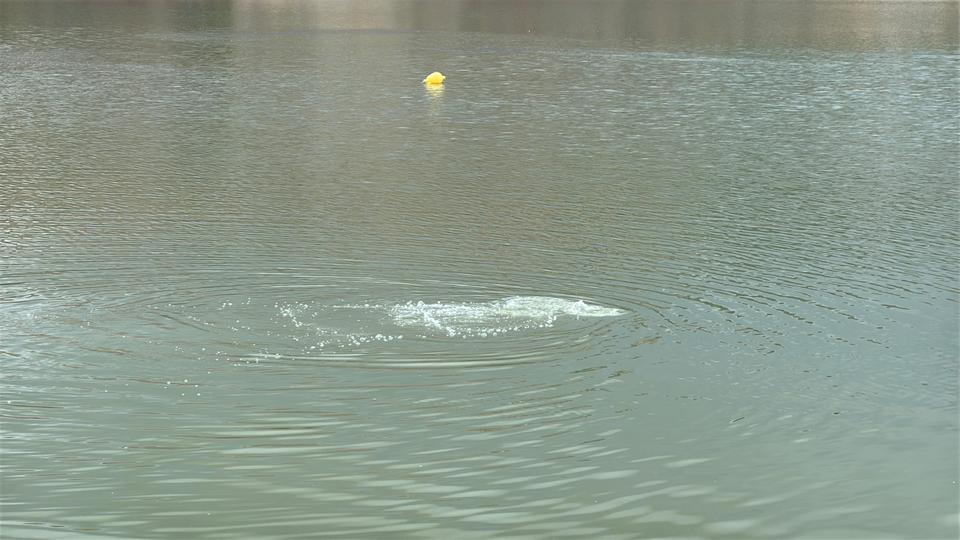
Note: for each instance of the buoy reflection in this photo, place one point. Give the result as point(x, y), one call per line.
point(435, 90)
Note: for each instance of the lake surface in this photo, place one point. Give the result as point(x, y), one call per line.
point(638, 269)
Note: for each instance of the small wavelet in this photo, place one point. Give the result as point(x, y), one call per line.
point(482, 319)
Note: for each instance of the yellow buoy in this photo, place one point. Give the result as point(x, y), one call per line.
point(434, 78)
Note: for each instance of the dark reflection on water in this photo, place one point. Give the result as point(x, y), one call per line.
point(665, 24)
point(640, 269)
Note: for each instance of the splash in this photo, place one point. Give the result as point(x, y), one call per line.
point(496, 317)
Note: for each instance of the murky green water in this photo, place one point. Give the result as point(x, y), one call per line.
point(640, 269)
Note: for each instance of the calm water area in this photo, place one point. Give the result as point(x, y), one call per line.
point(638, 269)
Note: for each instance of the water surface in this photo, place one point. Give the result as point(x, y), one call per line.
point(638, 269)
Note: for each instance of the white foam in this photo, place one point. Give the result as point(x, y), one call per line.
point(495, 317)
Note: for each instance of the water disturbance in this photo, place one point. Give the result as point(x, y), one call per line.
point(638, 269)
